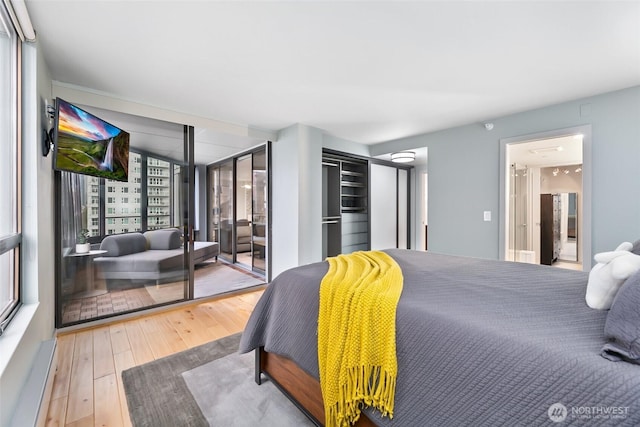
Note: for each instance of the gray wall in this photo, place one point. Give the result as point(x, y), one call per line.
point(464, 172)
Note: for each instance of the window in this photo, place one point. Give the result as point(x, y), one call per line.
point(111, 189)
point(94, 222)
point(10, 123)
point(120, 208)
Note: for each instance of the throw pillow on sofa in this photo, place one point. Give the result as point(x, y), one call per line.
point(123, 244)
point(163, 239)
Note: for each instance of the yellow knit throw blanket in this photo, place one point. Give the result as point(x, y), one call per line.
point(357, 335)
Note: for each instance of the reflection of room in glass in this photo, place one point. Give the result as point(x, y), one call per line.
point(259, 210)
point(243, 210)
point(105, 208)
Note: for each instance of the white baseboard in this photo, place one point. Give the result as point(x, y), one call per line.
point(36, 394)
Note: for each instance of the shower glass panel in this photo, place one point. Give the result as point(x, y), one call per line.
point(519, 213)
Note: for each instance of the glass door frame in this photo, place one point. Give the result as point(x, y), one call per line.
point(214, 206)
point(259, 218)
point(186, 225)
point(189, 219)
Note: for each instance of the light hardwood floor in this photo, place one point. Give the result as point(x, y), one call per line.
point(87, 388)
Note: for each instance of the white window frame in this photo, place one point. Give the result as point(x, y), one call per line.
point(11, 243)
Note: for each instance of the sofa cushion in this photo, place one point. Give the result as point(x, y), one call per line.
point(123, 244)
point(150, 262)
point(243, 232)
point(168, 238)
point(205, 250)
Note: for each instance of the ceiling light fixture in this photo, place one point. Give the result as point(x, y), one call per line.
point(403, 157)
point(579, 169)
point(556, 171)
point(546, 149)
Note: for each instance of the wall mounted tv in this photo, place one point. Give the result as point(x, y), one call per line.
point(89, 145)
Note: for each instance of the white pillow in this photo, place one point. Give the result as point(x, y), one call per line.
point(610, 272)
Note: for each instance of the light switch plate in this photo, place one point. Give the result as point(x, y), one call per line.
point(487, 215)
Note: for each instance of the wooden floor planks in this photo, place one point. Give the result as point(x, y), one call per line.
point(87, 389)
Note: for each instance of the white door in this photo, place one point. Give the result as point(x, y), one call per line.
point(384, 214)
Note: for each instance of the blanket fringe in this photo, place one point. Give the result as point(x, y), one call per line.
point(368, 385)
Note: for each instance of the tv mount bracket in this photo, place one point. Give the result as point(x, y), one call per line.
point(47, 138)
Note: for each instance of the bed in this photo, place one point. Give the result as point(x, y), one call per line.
point(479, 342)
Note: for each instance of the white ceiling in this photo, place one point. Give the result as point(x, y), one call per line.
point(363, 71)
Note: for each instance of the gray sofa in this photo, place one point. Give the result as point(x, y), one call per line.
point(156, 255)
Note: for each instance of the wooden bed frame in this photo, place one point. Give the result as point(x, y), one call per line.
point(300, 387)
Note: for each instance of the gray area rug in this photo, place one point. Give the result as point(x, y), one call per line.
point(228, 396)
point(213, 278)
point(209, 385)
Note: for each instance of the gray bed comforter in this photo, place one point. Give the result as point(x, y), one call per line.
point(479, 343)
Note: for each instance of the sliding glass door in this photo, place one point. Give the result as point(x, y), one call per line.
point(243, 240)
point(225, 207)
point(259, 214)
point(137, 232)
point(238, 209)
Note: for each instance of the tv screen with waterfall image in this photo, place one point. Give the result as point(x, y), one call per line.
point(89, 145)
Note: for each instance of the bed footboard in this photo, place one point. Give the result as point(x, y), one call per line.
point(301, 388)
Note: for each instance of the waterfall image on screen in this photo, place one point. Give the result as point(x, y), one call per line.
point(88, 145)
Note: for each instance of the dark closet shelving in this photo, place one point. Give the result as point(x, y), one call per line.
point(353, 186)
point(344, 205)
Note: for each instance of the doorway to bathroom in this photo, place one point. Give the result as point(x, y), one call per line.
point(546, 196)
